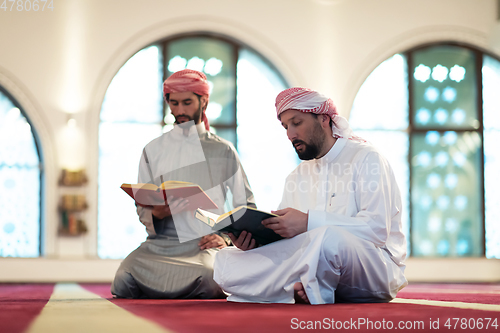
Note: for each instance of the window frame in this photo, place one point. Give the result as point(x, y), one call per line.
point(41, 179)
point(162, 46)
point(479, 57)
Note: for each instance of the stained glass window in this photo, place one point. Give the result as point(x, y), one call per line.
point(446, 139)
point(243, 88)
point(446, 149)
point(446, 207)
point(444, 87)
point(20, 183)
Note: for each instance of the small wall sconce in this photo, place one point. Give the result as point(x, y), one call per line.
point(71, 122)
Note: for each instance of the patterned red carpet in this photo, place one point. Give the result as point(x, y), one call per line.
point(90, 308)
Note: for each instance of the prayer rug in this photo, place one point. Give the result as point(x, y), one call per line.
point(36, 308)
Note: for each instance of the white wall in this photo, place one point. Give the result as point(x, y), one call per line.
point(61, 61)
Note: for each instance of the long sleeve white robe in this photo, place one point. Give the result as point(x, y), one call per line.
point(354, 248)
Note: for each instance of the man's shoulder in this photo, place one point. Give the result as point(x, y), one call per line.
point(360, 146)
point(217, 140)
point(360, 150)
point(365, 152)
point(216, 143)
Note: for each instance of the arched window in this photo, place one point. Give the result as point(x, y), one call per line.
point(241, 110)
point(20, 182)
point(434, 111)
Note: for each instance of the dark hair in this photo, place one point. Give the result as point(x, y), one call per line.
point(332, 123)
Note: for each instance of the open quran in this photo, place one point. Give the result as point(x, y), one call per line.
point(239, 219)
point(146, 194)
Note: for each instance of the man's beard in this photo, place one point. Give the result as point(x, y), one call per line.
point(313, 148)
point(187, 118)
point(310, 150)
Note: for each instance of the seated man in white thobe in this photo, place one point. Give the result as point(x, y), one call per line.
point(176, 260)
point(340, 215)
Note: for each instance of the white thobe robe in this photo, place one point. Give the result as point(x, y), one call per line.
point(169, 264)
point(354, 248)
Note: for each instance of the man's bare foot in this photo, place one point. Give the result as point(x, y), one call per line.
point(300, 294)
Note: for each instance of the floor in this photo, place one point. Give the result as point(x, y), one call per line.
point(69, 307)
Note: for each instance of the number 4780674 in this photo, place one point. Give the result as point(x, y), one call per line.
point(471, 323)
point(27, 5)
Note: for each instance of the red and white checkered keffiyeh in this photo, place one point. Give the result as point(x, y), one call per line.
point(307, 100)
point(188, 80)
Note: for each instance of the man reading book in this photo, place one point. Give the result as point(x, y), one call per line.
point(340, 214)
point(176, 260)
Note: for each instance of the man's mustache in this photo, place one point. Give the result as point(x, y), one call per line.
point(297, 141)
point(183, 116)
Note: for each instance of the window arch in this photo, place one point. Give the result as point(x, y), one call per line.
point(433, 111)
point(21, 176)
point(243, 88)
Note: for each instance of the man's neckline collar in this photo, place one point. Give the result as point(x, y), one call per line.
point(198, 129)
point(333, 152)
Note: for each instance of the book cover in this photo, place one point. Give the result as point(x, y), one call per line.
point(239, 219)
point(150, 195)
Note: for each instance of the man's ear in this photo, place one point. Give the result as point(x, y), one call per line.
point(325, 120)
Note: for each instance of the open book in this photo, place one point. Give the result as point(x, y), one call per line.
point(150, 194)
point(239, 219)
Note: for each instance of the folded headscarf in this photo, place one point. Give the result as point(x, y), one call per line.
point(188, 80)
point(307, 100)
